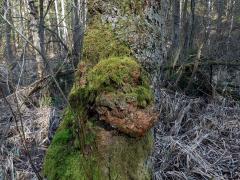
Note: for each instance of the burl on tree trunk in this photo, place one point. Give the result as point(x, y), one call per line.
point(105, 134)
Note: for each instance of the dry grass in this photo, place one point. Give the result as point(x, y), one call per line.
point(37, 123)
point(197, 140)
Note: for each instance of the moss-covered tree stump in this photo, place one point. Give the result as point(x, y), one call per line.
point(105, 134)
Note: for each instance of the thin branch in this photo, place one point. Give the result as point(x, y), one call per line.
point(43, 57)
point(57, 36)
point(48, 8)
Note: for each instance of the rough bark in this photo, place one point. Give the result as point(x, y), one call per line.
point(157, 12)
point(192, 24)
point(34, 24)
point(64, 24)
point(220, 12)
point(176, 23)
point(8, 48)
point(57, 17)
point(41, 28)
point(78, 21)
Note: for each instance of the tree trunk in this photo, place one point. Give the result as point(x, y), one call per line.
point(220, 11)
point(64, 25)
point(78, 21)
point(231, 11)
point(179, 52)
point(58, 29)
point(192, 25)
point(57, 18)
point(41, 28)
point(8, 48)
point(156, 12)
point(37, 35)
point(176, 23)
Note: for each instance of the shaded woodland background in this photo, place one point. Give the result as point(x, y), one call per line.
point(190, 48)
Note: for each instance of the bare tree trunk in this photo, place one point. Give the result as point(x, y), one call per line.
point(64, 28)
point(13, 37)
point(37, 34)
point(1, 37)
point(55, 22)
point(220, 11)
point(181, 14)
point(209, 24)
point(78, 21)
point(183, 31)
point(157, 12)
point(57, 17)
point(176, 23)
point(22, 14)
point(186, 31)
point(177, 18)
point(41, 28)
point(8, 48)
point(231, 11)
point(192, 25)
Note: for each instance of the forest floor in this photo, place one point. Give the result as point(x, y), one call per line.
point(24, 131)
point(193, 139)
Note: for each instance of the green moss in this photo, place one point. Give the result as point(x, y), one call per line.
point(115, 71)
point(55, 156)
point(124, 79)
point(100, 43)
point(64, 161)
point(122, 75)
point(144, 96)
point(80, 168)
point(131, 7)
point(62, 137)
point(68, 119)
point(128, 158)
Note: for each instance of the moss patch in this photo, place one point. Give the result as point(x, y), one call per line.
point(122, 75)
point(100, 43)
point(64, 160)
point(128, 158)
